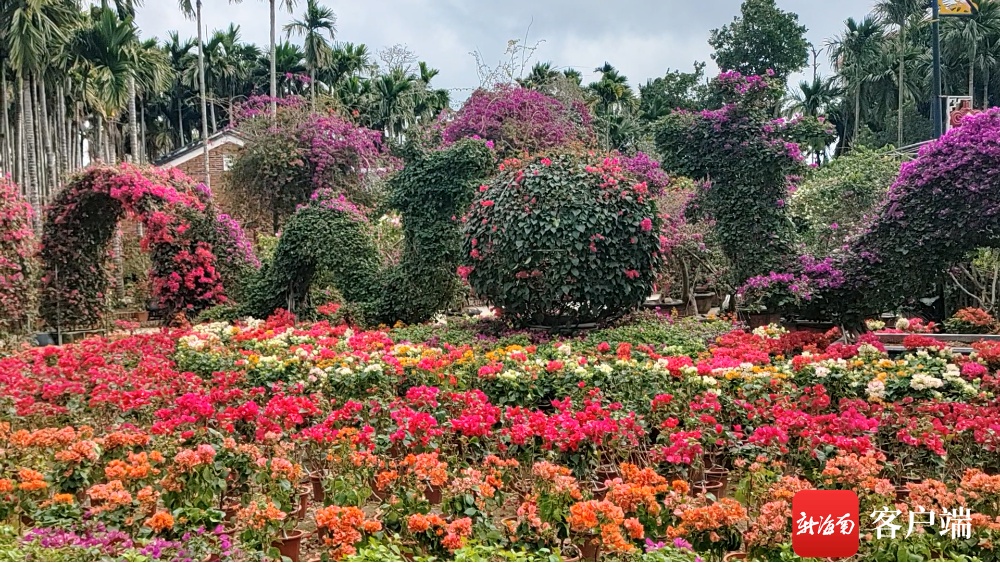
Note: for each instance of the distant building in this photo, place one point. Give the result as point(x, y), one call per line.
point(223, 148)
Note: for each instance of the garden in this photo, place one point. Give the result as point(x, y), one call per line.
point(527, 329)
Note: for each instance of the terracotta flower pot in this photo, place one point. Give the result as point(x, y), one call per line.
point(290, 546)
point(304, 495)
point(600, 490)
point(713, 488)
point(735, 556)
point(902, 493)
point(720, 474)
point(704, 302)
point(433, 494)
point(590, 549)
point(319, 495)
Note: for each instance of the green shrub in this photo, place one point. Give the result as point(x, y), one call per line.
point(565, 240)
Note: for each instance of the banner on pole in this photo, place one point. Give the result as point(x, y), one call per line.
point(958, 108)
point(958, 8)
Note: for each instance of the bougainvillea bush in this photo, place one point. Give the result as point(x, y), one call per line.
point(748, 166)
point(18, 247)
point(211, 442)
point(563, 239)
point(519, 121)
point(943, 205)
point(182, 234)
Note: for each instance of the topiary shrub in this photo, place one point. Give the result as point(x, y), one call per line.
point(562, 240)
point(944, 204)
point(333, 236)
point(182, 234)
point(18, 267)
point(519, 121)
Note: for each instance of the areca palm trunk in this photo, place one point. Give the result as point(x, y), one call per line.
point(274, 66)
point(204, 101)
point(972, 73)
point(857, 114)
point(133, 122)
point(8, 154)
point(30, 162)
point(46, 143)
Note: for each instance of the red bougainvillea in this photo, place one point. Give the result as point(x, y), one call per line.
point(181, 229)
point(17, 252)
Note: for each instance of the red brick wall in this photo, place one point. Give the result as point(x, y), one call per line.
point(195, 167)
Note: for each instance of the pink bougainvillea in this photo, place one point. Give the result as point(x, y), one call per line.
point(518, 120)
point(180, 229)
point(17, 254)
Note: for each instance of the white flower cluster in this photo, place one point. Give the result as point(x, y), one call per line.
point(875, 390)
point(921, 381)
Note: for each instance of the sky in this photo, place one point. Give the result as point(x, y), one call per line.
point(642, 38)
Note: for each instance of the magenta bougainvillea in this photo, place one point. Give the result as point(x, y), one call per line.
point(519, 120)
point(182, 234)
point(17, 258)
point(943, 205)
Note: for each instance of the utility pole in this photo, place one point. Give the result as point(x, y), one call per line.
point(936, 70)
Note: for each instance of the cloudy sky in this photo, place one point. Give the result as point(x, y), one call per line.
point(643, 38)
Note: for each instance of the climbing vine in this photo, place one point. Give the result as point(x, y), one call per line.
point(182, 235)
point(331, 234)
point(17, 259)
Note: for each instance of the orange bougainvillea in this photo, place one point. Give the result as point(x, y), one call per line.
point(605, 519)
point(160, 521)
point(345, 528)
point(30, 480)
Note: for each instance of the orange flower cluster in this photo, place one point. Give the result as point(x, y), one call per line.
point(31, 480)
point(770, 528)
point(384, 479)
point(452, 534)
point(78, 452)
point(556, 479)
point(124, 439)
point(49, 437)
point(726, 513)
point(281, 468)
point(61, 498)
point(6, 486)
point(186, 460)
point(136, 468)
point(605, 518)
point(787, 486)
point(852, 469)
point(638, 488)
point(345, 527)
point(108, 496)
point(147, 498)
point(160, 521)
point(428, 468)
point(978, 485)
point(934, 495)
point(257, 515)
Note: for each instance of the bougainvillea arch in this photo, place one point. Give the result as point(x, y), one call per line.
point(331, 234)
point(18, 247)
point(182, 234)
point(943, 205)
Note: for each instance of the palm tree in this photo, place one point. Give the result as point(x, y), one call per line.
point(541, 77)
point(31, 28)
point(899, 13)
point(393, 102)
point(289, 63)
point(290, 5)
point(968, 38)
point(181, 66)
point(317, 20)
point(814, 97)
point(347, 60)
point(429, 103)
point(574, 76)
point(852, 53)
point(612, 90)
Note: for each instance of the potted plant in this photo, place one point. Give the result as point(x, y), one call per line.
point(600, 524)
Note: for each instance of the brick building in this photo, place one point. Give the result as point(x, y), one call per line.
point(223, 147)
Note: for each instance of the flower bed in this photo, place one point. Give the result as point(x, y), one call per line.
point(215, 442)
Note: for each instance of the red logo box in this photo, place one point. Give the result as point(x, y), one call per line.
point(825, 524)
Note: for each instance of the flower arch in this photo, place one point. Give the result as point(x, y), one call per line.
point(182, 234)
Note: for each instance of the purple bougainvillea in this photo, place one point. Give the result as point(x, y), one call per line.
point(519, 120)
point(943, 205)
point(17, 258)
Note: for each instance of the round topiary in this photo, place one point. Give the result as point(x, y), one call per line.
point(563, 240)
point(18, 246)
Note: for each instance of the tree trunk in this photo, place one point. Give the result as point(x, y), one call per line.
point(36, 110)
point(180, 116)
point(133, 122)
point(215, 126)
point(30, 162)
point(65, 161)
point(7, 157)
point(857, 115)
point(972, 74)
point(274, 67)
point(204, 101)
point(312, 85)
point(902, 82)
point(986, 88)
point(143, 157)
point(47, 144)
